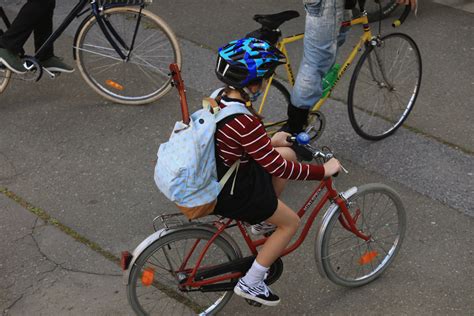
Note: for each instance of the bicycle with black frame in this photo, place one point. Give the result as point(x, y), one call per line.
point(122, 51)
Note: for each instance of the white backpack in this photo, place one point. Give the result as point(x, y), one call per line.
point(185, 171)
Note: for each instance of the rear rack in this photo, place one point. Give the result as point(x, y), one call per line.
point(175, 220)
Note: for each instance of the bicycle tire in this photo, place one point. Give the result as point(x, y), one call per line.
point(274, 110)
point(142, 78)
point(373, 10)
point(382, 110)
point(5, 76)
point(340, 270)
point(174, 301)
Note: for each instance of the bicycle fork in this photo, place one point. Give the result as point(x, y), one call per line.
point(384, 83)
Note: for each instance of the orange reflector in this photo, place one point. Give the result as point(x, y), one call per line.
point(114, 85)
point(368, 257)
point(148, 276)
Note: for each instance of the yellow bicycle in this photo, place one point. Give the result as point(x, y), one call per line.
point(383, 88)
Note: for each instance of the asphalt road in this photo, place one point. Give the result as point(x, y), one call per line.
point(89, 164)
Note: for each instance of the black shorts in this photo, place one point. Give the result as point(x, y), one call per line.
point(254, 199)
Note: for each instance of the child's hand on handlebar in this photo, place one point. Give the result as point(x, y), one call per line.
point(331, 167)
point(280, 139)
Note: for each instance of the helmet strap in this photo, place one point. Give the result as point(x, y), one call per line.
point(252, 97)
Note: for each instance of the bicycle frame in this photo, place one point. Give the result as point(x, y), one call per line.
point(346, 219)
point(4, 18)
point(365, 37)
point(108, 30)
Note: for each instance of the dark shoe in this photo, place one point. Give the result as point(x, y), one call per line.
point(259, 293)
point(56, 64)
point(297, 119)
point(12, 61)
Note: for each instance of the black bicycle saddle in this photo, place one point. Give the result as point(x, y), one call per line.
point(273, 21)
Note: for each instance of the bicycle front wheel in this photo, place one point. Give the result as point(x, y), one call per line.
point(351, 261)
point(149, 47)
point(154, 283)
point(5, 75)
point(384, 86)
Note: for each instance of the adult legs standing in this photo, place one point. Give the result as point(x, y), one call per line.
point(322, 36)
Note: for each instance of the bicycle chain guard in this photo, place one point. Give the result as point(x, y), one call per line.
point(275, 271)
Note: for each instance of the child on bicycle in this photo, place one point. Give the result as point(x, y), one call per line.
point(265, 164)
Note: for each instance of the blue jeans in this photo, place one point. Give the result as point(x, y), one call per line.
point(323, 35)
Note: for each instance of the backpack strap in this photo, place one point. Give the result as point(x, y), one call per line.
point(229, 112)
point(226, 177)
point(231, 109)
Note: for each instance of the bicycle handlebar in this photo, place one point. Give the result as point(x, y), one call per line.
point(303, 139)
point(316, 152)
point(403, 17)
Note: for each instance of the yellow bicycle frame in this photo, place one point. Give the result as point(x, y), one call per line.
point(365, 37)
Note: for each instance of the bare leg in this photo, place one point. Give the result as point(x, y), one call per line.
point(287, 223)
point(279, 183)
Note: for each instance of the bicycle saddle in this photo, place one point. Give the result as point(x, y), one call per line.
point(273, 21)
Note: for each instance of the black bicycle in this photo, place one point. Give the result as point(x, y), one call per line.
point(122, 51)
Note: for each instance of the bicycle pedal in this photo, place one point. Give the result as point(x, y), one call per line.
point(253, 303)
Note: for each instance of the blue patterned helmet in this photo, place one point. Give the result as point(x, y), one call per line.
point(246, 61)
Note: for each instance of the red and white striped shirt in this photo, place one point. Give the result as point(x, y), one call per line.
point(244, 136)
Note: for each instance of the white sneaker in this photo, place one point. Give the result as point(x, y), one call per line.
point(260, 293)
point(262, 228)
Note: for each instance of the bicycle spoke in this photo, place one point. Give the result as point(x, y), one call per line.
point(143, 75)
point(354, 261)
point(393, 68)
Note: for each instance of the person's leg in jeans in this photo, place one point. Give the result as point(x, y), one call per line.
point(323, 20)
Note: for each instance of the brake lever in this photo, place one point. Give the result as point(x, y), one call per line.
point(343, 169)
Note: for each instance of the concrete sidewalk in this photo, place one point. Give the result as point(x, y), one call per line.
point(89, 164)
point(46, 272)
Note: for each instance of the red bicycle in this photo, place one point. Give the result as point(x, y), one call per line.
point(191, 267)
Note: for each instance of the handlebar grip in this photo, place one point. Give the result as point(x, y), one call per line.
point(335, 175)
point(403, 17)
point(290, 139)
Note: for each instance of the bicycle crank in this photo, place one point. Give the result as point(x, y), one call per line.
point(34, 69)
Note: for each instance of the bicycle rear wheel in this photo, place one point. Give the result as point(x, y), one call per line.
point(143, 76)
point(351, 261)
point(153, 287)
point(275, 107)
point(384, 86)
point(5, 75)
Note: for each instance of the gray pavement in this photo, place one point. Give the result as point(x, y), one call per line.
point(89, 164)
point(46, 272)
